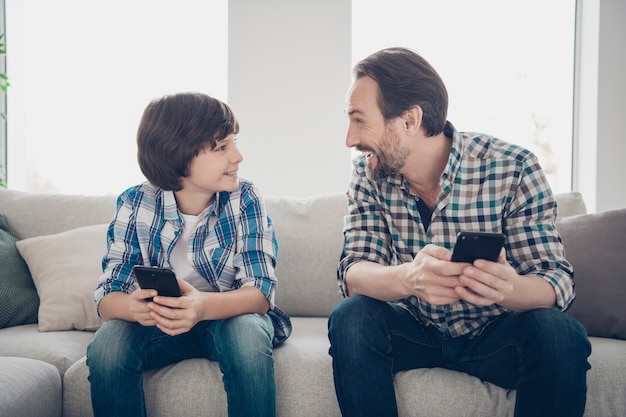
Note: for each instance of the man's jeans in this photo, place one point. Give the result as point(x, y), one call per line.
point(242, 346)
point(541, 353)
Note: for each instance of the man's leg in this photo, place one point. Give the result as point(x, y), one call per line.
point(369, 341)
point(542, 353)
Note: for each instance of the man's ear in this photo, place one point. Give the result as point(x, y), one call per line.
point(412, 119)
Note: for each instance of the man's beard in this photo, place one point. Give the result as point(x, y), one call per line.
point(388, 162)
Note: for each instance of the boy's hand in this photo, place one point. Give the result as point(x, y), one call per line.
point(177, 315)
point(139, 307)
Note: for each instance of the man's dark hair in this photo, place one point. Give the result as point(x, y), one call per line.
point(405, 79)
point(174, 129)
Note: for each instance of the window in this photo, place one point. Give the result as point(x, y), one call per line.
point(508, 66)
point(81, 74)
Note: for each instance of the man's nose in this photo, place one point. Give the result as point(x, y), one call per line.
point(352, 139)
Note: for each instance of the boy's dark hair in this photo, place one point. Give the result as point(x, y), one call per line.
point(174, 129)
point(405, 79)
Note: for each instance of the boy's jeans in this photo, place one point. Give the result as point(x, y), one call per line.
point(242, 346)
point(541, 353)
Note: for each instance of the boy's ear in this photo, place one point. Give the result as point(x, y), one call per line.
point(412, 119)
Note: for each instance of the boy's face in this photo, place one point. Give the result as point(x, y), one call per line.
point(215, 169)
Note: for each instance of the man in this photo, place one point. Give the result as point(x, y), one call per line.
point(417, 183)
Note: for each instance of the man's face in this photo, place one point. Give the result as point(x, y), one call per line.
point(370, 134)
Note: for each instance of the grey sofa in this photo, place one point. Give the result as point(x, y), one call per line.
point(42, 364)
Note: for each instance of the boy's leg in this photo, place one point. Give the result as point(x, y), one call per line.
point(243, 349)
point(542, 353)
point(117, 357)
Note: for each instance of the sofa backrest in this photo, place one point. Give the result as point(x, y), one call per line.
point(310, 240)
point(309, 232)
point(31, 215)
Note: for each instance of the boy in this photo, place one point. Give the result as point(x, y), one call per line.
point(196, 217)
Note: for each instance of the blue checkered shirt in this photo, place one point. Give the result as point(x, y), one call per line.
point(488, 185)
point(233, 246)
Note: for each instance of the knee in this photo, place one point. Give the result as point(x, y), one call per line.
point(248, 335)
point(559, 334)
point(354, 321)
point(109, 346)
point(354, 312)
point(244, 345)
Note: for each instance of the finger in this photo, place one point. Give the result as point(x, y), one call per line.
point(438, 252)
point(164, 311)
point(502, 257)
point(437, 295)
point(185, 287)
point(171, 302)
point(141, 295)
point(472, 297)
point(483, 285)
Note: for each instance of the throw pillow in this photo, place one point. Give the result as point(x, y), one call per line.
point(18, 296)
point(65, 268)
point(595, 244)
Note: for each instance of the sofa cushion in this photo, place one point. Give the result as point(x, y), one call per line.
point(65, 268)
point(60, 349)
point(303, 370)
point(29, 388)
point(595, 244)
point(18, 296)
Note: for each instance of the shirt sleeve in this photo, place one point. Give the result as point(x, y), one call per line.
point(366, 233)
point(534, 244)
point(257, 246)
point(123, 250)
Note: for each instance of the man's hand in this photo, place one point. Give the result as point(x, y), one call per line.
point(485, 283)
point(432, 277)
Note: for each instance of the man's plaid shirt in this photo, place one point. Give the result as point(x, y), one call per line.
point(488, 185)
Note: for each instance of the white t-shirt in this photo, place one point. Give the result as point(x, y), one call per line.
point(181, 259)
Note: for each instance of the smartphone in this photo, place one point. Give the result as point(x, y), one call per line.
point(470, 246)
point(161, 279)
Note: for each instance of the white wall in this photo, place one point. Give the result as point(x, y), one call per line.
point(600, 143)
point(293, 131)
point(289, 71)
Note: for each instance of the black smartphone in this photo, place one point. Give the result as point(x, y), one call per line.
point(470, 246)
point(161, 279)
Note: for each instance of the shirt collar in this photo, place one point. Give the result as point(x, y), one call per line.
point(454, 161)
point(170, 209)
